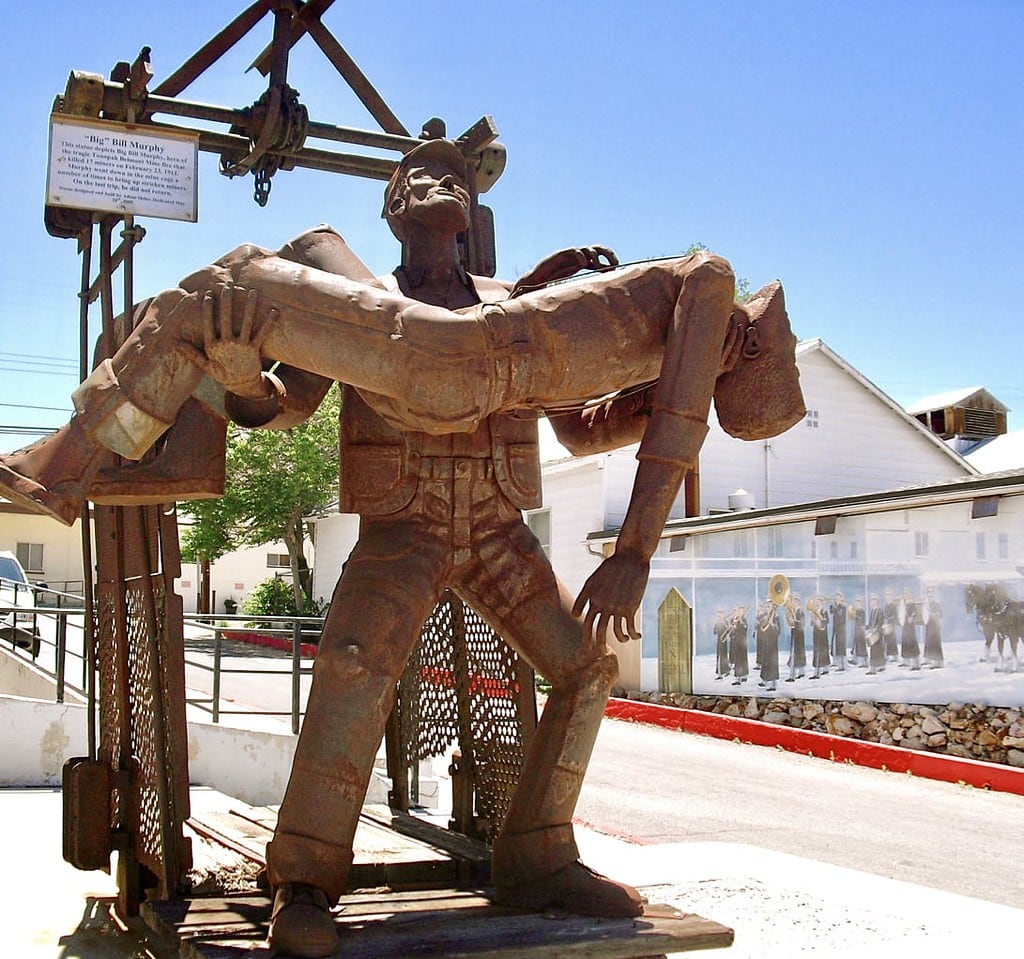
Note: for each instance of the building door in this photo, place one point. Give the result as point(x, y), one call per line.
point(675, 644)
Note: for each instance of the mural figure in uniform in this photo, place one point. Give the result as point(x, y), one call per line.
point(838, 611)
point(721, 631)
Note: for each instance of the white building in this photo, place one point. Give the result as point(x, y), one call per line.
point(52, 554)
point(49, 551)
point(854, 440)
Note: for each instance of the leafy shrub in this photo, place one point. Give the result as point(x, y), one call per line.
point(275, 597)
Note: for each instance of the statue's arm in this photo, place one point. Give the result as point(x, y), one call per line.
point(564, 264)
point(296, 394)
point(598, 428)
point(613, 593)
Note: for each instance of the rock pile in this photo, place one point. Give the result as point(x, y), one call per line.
point(990, 733)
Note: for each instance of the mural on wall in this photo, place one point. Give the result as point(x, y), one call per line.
point(917, 606)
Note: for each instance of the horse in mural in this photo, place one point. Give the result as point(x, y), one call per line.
point(1001, 621)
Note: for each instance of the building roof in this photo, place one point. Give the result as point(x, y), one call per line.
point(999, 453)
point(955, 490)
point(959, 397)
point(818, 345)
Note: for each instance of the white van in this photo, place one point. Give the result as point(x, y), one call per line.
point(16, 593)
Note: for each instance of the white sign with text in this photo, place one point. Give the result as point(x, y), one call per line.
point(122, 168)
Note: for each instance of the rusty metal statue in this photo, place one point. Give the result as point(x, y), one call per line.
point(445, 376)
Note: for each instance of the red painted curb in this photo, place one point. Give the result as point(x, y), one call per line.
point(950, 769)
point(271, 642)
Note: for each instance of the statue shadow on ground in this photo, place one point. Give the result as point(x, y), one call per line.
point(102, 934)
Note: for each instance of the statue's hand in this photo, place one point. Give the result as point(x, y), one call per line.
point(612, 595)
point(565, 263)
point(233, 359)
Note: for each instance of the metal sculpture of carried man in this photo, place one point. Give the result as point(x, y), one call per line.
point(445, 375)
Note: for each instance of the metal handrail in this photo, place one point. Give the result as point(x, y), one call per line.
point(35, 643)
point(60, 650)
point(294, 631)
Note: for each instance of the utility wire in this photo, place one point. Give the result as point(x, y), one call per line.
point(27, 406)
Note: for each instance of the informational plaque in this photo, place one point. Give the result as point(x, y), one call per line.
point(122, 168)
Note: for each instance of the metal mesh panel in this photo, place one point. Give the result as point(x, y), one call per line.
point(142, 727)
point(144, 686)
point(429, 701)
point(462, 686)
point(492, 691)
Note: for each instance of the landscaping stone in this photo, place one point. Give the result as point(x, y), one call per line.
point(965, 730)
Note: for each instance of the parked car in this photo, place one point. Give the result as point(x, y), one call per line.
point(16, 593)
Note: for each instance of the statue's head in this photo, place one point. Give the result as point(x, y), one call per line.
point(760, 396)
point(429, 186)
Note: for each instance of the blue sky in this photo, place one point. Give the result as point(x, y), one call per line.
point(867, 153)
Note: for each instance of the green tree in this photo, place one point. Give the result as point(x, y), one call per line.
point(743, 290)
point(274, 478)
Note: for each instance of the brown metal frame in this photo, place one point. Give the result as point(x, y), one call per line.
point(138, 757)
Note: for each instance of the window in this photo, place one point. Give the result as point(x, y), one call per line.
point(739, 544)
point(676, 544)
point(278, 561)
point(920, 544)
point(1004, 546)
point(773, 541)
point(853, 549)
point(979, 545)
point(30, 555)
point(539, 522)
point(833, 550)
point(812, 419)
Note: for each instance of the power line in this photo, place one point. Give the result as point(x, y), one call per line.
point(8, 369)
point(27, 430)
point(35, 357)
point(26, 406)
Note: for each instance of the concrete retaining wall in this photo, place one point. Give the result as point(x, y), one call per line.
point(38, 736)
point(20, 677)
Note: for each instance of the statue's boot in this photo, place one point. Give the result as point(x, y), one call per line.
point(301, 923)
point(56, 475)
point(52, 475)
point(186, 463)
point(760, 396)
point(535, 862)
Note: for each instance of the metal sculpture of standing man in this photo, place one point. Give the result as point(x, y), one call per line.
point(445, 375)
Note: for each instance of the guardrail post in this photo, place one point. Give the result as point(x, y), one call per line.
point(296, 672)
point(62, 645)
point(216, 673)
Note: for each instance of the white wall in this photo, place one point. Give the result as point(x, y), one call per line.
point(861, 445)
point(36, 738)
point(574, 492)
point(62, 545)
point(233, 576)
point(336, 534)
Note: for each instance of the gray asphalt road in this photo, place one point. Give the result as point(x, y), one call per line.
point(246, 683)
point(652, 785)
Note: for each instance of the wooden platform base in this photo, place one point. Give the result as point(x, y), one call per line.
point(456, 924)
point(418, 891)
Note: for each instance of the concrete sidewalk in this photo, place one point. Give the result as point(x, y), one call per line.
point(779, 905)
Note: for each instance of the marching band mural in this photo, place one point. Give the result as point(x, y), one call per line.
point(922, 605)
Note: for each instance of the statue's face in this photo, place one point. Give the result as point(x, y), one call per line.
point(436, 197)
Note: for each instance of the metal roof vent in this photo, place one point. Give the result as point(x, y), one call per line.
point(740, 500)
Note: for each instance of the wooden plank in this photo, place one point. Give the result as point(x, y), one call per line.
point(455, 924)
point(457, 845)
